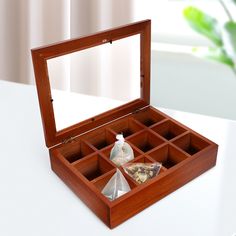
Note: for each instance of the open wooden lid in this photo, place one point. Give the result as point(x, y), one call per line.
point(42, 54)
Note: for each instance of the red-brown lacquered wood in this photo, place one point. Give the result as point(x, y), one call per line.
point(149, 117)
point(141, 196)
point(168, 129)
point(126, 127)
point(168, 155)
point(191, 143)
point(85, 190)
point(157, 188)
point(99, 138)
point(83, 162)
point(93, 166)
point(145, 141)
point(42, 54)
point(88, 176)
point(75, 150)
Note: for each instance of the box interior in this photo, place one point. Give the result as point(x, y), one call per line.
point(153, 136)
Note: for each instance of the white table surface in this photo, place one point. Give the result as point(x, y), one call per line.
point(34, 201)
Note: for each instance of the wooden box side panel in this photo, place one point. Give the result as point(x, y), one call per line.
point(60, 166)
point(156, 190)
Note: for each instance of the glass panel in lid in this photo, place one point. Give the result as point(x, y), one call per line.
point(89, 82)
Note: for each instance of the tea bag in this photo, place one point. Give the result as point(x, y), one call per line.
point(141, 172)
point(116, 186)
point(121, 152)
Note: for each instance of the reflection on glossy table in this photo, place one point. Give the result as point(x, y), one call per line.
point(34, 201)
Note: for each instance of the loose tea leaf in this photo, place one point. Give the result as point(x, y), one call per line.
point(141, 172)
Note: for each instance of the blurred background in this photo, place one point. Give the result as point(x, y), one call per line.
point(180, 80)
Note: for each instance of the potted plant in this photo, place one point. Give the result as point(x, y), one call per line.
point(222, 35)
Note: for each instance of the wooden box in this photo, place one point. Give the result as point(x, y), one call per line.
point(79, 154)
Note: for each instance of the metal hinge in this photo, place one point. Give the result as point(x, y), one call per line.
point(68, 140)
point(140, 109)
point(136, 111)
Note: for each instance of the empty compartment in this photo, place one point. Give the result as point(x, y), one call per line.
point(127, 127)
point(100, 138)
point(167, 155)
point(146, 141)
point(75, 150)
point(168, 129)
point(148, 117)
point(191, 143)
point(100, 183)
point(93, 166)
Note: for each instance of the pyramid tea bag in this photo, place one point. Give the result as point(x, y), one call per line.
point(141, 172)
point(116, 186)
point(121, 152)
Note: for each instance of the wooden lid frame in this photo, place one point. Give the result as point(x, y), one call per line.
point(42, 54)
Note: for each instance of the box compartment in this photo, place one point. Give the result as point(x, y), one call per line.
point(149, 117)
point(100, 139)
point(76, 150)
point(127, 127)
point(168, 129)
point(168, 155)
point(146, 140)
point(191, 143)
point(93, 166)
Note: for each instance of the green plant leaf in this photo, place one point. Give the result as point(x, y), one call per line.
point(229, 39)
point(216, 54)
point(203, 24)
